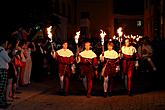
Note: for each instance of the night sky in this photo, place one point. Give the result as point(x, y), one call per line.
point(130, 7)
point(20, 11)
point(20, 8)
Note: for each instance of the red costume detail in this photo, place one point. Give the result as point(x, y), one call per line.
point(110, 69)
point(64, 64)
point(88, 67)
point(128, 66)
point(64, 69)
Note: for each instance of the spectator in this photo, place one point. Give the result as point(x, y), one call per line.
point(4, 60)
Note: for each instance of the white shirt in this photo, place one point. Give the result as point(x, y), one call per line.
point(88, 54)
point(4, 59)
point(65, 53)
point(110, 54)
point(128, 50)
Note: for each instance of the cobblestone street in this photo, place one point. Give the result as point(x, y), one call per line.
point(49, 99)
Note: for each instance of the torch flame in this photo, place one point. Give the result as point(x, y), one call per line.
point(114, 37)
point(119, 31)
point(102, 34)
point(49, 29)
point(77, 36)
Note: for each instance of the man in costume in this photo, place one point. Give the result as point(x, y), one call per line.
point(129, 60)
point(88, 67)
point(110, 59)
point(65, 59)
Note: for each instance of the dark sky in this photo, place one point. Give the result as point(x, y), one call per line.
point(130, 7)
point(13, 11)
point(14, 8)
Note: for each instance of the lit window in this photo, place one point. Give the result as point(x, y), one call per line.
point(139, 23)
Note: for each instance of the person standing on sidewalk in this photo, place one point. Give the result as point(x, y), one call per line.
point(28, 67)
point(129, 61)
point(145, 52)
point(65, 58)
point(88, 67)
point(110, 60)
point(4, 60)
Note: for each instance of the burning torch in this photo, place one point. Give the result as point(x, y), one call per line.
point(76, 41)
point(76, 38)
point(102, 34)
point(119, 31)
point(49, 29)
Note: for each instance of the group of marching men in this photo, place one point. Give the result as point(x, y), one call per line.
point(127, 56)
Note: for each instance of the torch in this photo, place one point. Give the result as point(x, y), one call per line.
point(76, 38)
point(102, 34)
point(49, 29)
point(119, 31)
point(76, 41)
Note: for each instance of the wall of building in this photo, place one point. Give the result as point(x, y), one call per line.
point(154, 19)
point(100, 14)
point(131, 24)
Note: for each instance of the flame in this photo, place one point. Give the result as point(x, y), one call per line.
point(77, 36)
point(102, 34)
point(119, 31)
point(137, 39)
point(114, 37)
point(49, 29)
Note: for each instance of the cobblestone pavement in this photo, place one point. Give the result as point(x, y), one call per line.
point(48, 101)
point(146, 98)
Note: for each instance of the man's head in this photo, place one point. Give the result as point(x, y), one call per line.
point(87, 45)
point(64, 44)
point(127, 42)
point(110, 45)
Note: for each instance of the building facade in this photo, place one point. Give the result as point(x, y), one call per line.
point(154, 19)
point(66, 11)
point(96, 15)
point(112, 14)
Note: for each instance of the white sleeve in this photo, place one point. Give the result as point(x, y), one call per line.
point(5, 56)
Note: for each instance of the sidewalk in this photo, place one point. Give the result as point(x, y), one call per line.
point(32, 90)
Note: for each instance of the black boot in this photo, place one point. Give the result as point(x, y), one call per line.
point(130, 93)
point(105, 94)
point(110, 94)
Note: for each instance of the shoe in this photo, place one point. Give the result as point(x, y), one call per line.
point(105, 94)
point(62, 92)
point(88, 95)
point(5, 105)
point(66, 94)
point(110, 94)
point(130, 93)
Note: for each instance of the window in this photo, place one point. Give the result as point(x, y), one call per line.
point(139, 23)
